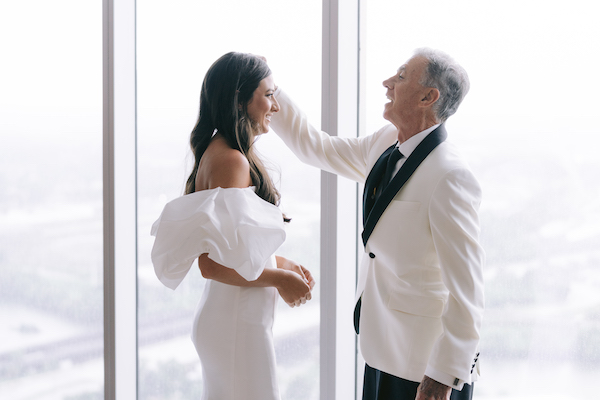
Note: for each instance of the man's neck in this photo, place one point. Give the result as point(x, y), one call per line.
point(412, 128)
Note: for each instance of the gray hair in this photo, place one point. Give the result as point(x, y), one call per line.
point(447, 76)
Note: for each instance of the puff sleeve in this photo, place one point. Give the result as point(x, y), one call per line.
point(234, 226)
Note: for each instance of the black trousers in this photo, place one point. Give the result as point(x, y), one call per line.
point(379, 385)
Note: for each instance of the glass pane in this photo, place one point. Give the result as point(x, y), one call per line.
point(51, 336)
point(528, 128)
point(177, 43)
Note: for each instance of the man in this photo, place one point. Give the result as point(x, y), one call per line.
point(420, 289)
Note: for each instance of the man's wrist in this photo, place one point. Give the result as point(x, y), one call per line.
point(445, 378)
point(432, 389)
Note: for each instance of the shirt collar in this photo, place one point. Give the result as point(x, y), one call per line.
point(411, 143)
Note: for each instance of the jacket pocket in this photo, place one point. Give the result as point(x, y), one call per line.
point(416, 305)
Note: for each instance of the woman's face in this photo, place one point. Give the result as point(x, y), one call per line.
point(263, 104)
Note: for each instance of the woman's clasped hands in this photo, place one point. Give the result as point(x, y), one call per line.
point(295, 284)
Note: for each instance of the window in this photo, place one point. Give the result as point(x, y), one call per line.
point(51, 204)
point(527, 127)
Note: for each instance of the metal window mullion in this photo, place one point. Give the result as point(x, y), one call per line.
point(328, 251)
point(339, 209)
point(119, 200)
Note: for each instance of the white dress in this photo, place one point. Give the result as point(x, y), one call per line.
point(232, 329)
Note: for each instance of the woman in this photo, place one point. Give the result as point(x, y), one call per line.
point(229, 220)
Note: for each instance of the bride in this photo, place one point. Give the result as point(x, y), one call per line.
point(230, 222)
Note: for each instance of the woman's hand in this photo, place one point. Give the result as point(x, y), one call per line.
point(292, 288)
point(296, 283)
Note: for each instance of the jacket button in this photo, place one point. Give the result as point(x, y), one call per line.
point(371, 255)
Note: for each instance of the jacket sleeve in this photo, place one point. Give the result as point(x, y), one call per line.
point(455, 230)
point(343, 156)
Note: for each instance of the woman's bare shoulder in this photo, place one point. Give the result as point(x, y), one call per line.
point(224, 167)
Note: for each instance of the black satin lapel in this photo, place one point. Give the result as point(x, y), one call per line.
point(373, 181)
point(410, 165)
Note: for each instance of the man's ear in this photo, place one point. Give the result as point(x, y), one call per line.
point(431, 96)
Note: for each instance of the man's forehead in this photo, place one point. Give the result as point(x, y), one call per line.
point(413, 62)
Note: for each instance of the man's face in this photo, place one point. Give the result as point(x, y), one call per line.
point(404, 92)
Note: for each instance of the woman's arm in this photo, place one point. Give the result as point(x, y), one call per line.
point(289, 278)
point(231, 169)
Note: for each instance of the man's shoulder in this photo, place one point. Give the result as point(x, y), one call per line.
point(447, 163)
point(444, 162)
point(448, 155)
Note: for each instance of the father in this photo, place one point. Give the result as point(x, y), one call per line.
point(419, 299)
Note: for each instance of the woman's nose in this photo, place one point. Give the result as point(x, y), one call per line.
point(275, 105)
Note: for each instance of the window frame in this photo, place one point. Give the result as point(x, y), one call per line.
point(339, 201)
point(119, 199)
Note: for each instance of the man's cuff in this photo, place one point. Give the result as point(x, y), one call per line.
point(444, 378)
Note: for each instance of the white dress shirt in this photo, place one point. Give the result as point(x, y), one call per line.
point(409, 146)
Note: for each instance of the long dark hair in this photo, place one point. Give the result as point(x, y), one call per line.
point(226, 91)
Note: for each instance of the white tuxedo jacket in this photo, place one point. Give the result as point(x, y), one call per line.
point(420, 279)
